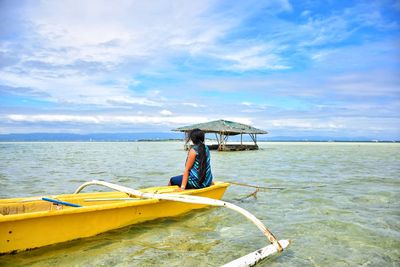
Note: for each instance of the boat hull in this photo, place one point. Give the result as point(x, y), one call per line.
point(26, 230)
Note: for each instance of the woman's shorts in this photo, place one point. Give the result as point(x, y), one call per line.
point(177, 180)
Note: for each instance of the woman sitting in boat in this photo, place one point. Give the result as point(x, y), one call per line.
point(197, 173)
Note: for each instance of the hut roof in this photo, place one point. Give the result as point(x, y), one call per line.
point(222, 126)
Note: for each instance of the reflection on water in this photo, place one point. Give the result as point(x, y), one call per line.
point(340, 203)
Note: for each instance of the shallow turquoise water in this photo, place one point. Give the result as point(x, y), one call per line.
point(340, 204)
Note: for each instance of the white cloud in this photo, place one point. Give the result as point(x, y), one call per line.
point(194, 105)
point(376, 83)
point(305, 13)
point(128, 101)
point(165, 112)
point(242, 57)
point(105, 119)
point(321, 55)
point(78, 89)
point(65, 32)
point(105, 32)
point(253, 108)
point(358, 126)
point(117, 119)
point(285, 4)
point(72, 50)
point(305, 124)
point(141, 57)
point(340, 25)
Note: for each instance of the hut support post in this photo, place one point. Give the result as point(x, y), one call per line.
point(220, 141)
point(254, 138)
point(223, 139)
point(216, 137)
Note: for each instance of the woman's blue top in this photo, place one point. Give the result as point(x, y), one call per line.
point(194, 179)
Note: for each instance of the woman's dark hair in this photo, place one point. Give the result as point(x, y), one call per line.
point(197, 137)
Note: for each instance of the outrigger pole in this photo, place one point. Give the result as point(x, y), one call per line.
point(248, 260)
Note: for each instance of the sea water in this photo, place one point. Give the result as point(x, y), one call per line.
point(339, 203)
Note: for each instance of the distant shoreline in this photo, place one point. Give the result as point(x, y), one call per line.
point(171, 137)
point(180, 140)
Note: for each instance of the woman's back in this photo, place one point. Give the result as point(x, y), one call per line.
point(195, 178)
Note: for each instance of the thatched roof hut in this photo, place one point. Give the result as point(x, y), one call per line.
point(223, 129)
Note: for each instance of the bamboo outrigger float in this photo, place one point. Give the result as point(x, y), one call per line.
point(27, 223)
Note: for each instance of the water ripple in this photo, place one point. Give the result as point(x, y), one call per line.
point(340, 203)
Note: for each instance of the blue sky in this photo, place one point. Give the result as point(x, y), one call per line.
point(293, 68)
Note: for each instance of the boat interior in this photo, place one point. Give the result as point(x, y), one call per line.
point(61, 202)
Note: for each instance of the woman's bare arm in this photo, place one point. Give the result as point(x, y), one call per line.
point(189, 164)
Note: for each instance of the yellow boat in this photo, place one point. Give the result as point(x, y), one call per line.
point(27, 223)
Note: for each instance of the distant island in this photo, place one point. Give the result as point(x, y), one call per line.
point(162, 137)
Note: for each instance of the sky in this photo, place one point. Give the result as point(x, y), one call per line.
point(293, 68)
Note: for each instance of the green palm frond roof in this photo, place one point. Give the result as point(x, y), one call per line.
point(222, 126)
